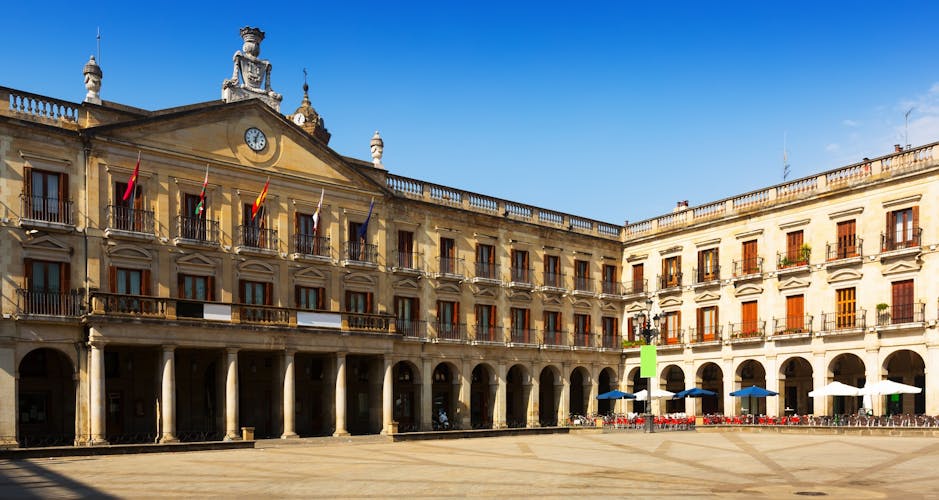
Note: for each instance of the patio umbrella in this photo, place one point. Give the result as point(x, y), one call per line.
point(614, 394)
point(643, 395)
point(834, 389)
point(694, 392)
point(753, 391)
point(887, 387)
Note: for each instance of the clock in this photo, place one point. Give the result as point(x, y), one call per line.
point(255, 139)
point(299, 119)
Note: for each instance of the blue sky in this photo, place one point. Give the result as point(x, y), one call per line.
point(610, 110)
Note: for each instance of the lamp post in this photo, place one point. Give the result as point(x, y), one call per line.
point(647, 327)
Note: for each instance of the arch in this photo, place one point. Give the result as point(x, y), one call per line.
point(406, 394)
point(673, 380)
point(517, 392)
point(482, 396)
point(549, 396)
point(750, 372)
point(606, 382)
point(906, 367)
point(635, 384)
point(846, 368)
point(796, 380)
point(445, 393)
point(580, 390)
point(710, 376)
point(46, 397)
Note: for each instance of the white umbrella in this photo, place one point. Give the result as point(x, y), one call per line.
point(834, 389)
point(887, 387)
point(643, 395)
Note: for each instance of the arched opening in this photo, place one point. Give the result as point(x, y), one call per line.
point(444, 395)
point(132, 386)
point(751, 372)
point(580, 381)
point(364, 380)
point(906, 367)
point(848, 369)
point(549, 391)
point(481, 396)
point(406, 394)
point(674, 379)
point(637, 384)
point(605, 383)
point(711, 377)
point(517, 391)
point(46, 396)
point(199, 397)
point(315, 394)
point(795, 384)
point(258, 382)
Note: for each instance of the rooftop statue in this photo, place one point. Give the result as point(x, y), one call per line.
point(251, 75)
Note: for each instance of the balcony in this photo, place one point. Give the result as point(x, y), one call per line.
point(358, 254)
point(748, 268)
point(844, 323)
point(792, 327)
point(637, 288)
point(129, 222)
point(669, 282)
point(584, 287)
point(747, 332)
point(411, 328)
point(900, 314)
point(521, 278)
point(450, 331)
point(707, 276)
point(789, 263)
point(487, 273)
point(610, 341)
point(450, 269)
point(256, 240)
point(137, 306)
point(32, 303)
point(310, 247)
point(707, 335)
point(46, 213)
point(554, 338)
point(552, 282)
point(584, 340)
point(901, 242)
point(523, 336)
point(488, 334)
point(844, 252)
point(670, 337)
point(196, 231)
point(264, 315)
point(367, 322)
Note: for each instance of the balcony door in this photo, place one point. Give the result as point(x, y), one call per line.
point(847, 240)
point(902, 307)
point(192, 225)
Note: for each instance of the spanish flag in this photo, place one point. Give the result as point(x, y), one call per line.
point(260, 199)
point(133, 179)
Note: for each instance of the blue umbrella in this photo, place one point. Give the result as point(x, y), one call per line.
point(694, 392)
point(753, 391)
point(616, 395)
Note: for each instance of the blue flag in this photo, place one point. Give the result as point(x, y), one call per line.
point(363, 229)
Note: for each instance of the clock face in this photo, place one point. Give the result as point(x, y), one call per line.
point(299, 119)
point(255, 139)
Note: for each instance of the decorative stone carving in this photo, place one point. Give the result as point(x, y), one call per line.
point(93, 75)
point(307, 118)
point(377, 146)
point(251, 75)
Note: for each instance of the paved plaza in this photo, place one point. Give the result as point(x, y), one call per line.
point(674, 464)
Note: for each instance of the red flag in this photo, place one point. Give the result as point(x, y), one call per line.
point(133, 179)
point(200, 208)
point(260, 199)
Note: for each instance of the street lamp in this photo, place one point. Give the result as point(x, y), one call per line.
point(648, 331)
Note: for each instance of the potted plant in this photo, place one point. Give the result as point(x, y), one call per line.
point(805, 251)
point(883, 315)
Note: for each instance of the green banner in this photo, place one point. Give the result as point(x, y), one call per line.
point(647, 361)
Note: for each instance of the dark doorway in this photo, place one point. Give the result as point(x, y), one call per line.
point(46, 415)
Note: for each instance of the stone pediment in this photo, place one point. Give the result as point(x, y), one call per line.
point(551, 299)
point(519, 295)
point(448, 287)
point(256, 270)
point(196, 263)
point(484, 291)
point(707, 296)
point(748, 289)
point(129, 253)
point(635, 308)
point(792, 283)
point(365, 279)
point(610, 307)
point(844, 275)
point(406, 284)
point(903, 266)
point(581, 303)
point(670, 302)
point(46, 247)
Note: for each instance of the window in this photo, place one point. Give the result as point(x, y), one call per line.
point(671, 272)
point(582, 275)
point(358, 248)
point(46, 196)
point(795, 314)
point(406, 250)
point(552, 271)
point(794, 255)
point(485, 322)
point(448, 319)
point(707, 324)
point(582, 330)
point(750, 263)
point(552, 327)
point(359, 302)
point(630, 329)
point(520, 270)
point(846, 245)
point(310, 298)
point(670, 327)
point(196, 287)
point(407, 314)
point(902, 308)
point(130, 282)
point(750, 322)
point(485, 261)
point(191, 225)
point(639, 280)
point(521, 325)
point(707, 265)
point(610, 331)
point(127, 215)
point(902, 229)
point(610, 285)
point(447, 256)
point(845, 308)
point(253, 232)
point(46, 287)
point(307, 241)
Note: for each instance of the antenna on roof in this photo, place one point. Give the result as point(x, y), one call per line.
point(785, 159)
point(98, 38)
point(906, 126)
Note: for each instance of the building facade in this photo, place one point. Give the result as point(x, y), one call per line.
point(182, 273)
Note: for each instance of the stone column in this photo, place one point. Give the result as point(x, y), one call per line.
point(168, 395)
point(593, 390)
point(96, 405)
point(564, 398)
point(466, 385)
point(534, 397)
point(290, 395)
point(387, 397)
point(691, 404)
point(819, 380)
point(498, 417)
point(932, 379)
point(341, 395)
point(872, 375)
point(730, 402)
point(773, 404)
point(8, 391)
point(231, 395)
point(427, 402)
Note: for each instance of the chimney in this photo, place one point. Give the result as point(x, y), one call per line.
point(681, 205)
point(897, 148)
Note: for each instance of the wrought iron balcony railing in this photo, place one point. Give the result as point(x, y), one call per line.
point(554, 337)
point(523, 335)
point(612, 288)
point(367, 322)
point(257, 237)
point(747, 267)
point(787, 260)
point(670, 336)
point(898, 314)
point(584, 339)
point(308, 244)
point(50, 302)
point(788, 325)
point(748, 329)
point(582, 284)
point(521, 275)
point(406, 260)
point(41, 208)
point(669, 281)
point(450, 331)
point(197, 229)
point(855, 319)
point(487, 270)
point(709, 333)
point(898, 240)
point(488, 333)
point(640, 286)
point(130, 219)
point(706, 275)
point(610, 341)
point(411, 328)
point(844, 249)
point(356, 251)
point(450, 266)
point(552, 280)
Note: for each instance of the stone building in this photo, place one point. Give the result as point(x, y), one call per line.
point(205, 296)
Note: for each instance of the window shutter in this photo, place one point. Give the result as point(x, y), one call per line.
point(112, 279)
point(63, 194)
point(210, 289)
point(66, 276)
point(27, 273)
point(268, 294)
point(28, 182)
point(241, 290)
point(181, 285)
point(296, 297)
point(145, 282)
point(368, 303)
point(915, 222)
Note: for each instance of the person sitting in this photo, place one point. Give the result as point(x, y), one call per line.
point(442, 420)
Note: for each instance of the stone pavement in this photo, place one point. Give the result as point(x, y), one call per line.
point(674, 464)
